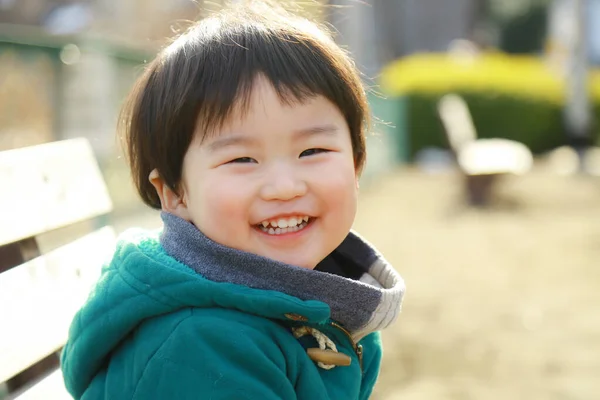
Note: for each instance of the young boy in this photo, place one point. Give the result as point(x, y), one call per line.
point(248, 132)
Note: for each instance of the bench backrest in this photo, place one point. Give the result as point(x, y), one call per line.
point(52, 245)
point(457, 121)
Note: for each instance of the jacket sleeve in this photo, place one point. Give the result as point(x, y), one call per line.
point(211, 358)
point(371, 364)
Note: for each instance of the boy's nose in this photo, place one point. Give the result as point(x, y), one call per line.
point(283, 184)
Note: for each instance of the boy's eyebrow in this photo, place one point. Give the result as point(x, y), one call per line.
point(230, 141)
point(246, 140)
point(316, 130)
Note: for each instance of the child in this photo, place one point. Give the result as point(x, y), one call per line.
point(248, 132)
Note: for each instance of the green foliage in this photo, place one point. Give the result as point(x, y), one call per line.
point(514, 97)
point(534, 122)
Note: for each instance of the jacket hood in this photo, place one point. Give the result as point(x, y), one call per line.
point(158, 272)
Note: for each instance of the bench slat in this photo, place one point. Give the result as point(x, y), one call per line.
point(51, 387)
point(57, 183)
point(39, 299)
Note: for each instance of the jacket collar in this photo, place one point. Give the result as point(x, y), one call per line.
point(362, 306)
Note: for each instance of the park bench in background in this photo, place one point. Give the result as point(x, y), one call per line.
point(52, 244)
point(481, 161)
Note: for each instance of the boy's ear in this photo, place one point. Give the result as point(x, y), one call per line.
point(170, 201)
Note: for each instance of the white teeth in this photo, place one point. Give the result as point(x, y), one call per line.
point(281, 226)
point(285, 222)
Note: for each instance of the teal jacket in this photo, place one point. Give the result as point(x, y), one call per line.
point(177, 316)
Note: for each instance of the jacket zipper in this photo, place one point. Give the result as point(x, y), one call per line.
point(358, 349)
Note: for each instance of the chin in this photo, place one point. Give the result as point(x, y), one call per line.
point(307, 265)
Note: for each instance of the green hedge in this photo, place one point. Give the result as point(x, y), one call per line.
point(536, 123)
point(513, 97)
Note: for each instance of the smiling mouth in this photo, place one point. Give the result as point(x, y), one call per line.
point(285, 225)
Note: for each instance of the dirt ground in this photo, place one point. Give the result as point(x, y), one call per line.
point(500, 304)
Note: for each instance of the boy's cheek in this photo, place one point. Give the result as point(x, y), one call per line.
point(224, 202)
point(341, 181)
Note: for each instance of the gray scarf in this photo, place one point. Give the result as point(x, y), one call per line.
point(362, 306)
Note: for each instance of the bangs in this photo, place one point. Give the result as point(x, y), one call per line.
point(220, 71)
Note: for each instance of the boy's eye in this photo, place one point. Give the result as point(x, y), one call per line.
point(242, 160)
point(312, 152)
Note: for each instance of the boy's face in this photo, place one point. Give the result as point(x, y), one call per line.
point(252, 185)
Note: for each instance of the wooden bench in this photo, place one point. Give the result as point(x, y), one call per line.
point(53, 207)
point(481, 161)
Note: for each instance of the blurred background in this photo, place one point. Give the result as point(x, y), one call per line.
point(482, 185)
